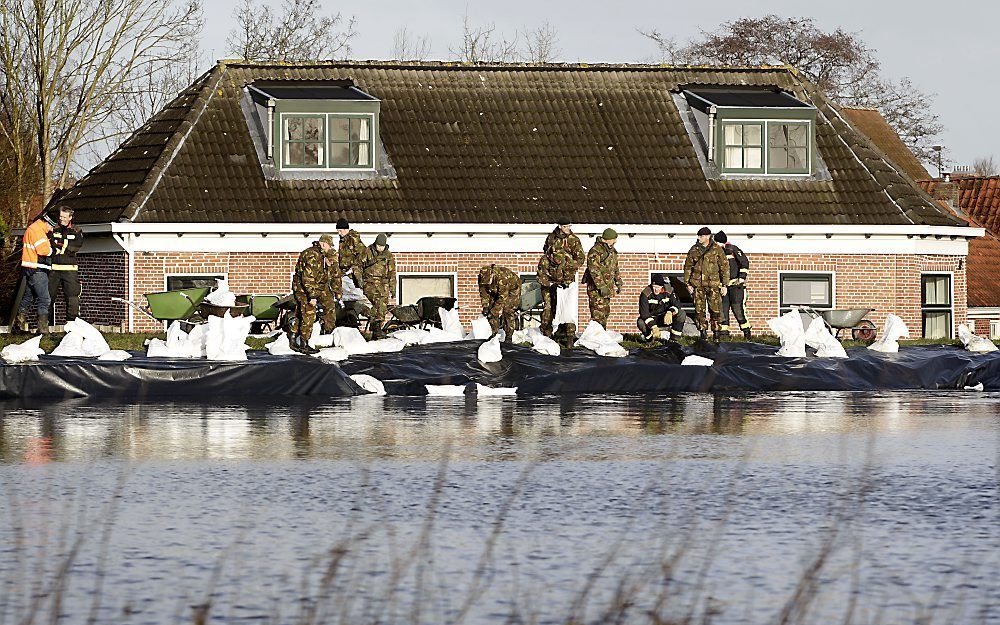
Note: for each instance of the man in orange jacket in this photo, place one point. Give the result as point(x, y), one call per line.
point(36, 252)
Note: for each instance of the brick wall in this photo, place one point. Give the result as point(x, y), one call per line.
point(889, 283)
point(103, 275)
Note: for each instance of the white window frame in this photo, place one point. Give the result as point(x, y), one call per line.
point(192, 274)
point(994, 329)
point(766, 158)
point(789, 272)
point(426, 274)
point(951, 297)
point(326, 135)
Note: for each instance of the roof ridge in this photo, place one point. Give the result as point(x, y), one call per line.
point(456, 65)
point(176, 142)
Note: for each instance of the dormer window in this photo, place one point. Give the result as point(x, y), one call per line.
point(327, 141)
point(756, 132)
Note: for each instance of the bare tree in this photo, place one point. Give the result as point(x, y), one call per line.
point(839, 63)
point(483, 45)
point(409, 47)
point(541, 44)
point(985, 166)
point(72, 62)
point(301, 32)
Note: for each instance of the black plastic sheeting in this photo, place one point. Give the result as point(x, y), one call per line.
point(159, 378)
point(738, 367)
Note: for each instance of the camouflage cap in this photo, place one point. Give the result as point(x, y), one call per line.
point(325, 238)
point(609, 234)
point(381, 239)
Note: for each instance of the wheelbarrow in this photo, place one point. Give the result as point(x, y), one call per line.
point(852, 319)
point(186, 305)
point(423, 314)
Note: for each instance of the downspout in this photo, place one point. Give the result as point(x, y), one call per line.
point(131, 275)
point(270, 128)
point(711, 133)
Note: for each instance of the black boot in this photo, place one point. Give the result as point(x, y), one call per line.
point(300, 345)
point(43, 325)
point(704, 335)
point(20, 323)
point(746, 333)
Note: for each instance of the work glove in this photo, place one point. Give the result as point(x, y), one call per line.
point(655, 332)
point(723, 290)
point(668, 318)
point(741, 281)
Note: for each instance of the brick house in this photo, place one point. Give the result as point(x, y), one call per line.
point(465, 165)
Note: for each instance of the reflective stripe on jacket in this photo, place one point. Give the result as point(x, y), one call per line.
point(35, 244)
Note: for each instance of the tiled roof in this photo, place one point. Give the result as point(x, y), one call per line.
point(498, 144)
point(873, 125)
point(981, 272)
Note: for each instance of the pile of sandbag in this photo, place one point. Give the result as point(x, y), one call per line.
point(221, 338)
point(893, 330)
point(539, 342)
point(23, 352)
point(973, 342)
point(490, 350)
point(819, 337)
point(604, 342)
point(83, 340)
point(789, 329)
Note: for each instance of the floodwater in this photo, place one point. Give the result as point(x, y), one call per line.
point(760, 508)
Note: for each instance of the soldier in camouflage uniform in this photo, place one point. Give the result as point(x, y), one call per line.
point(706, 271)
point(378, 281)
point(316, 281)
point(562, 257)
point(602, 278)
point(500, 292)
point(351, 250)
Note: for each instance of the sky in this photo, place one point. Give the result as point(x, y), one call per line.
point(942, 48)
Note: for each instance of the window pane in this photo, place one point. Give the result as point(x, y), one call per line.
point(340, 128)
point(753, 158)
point(937, 290)
point(778, 158)
point(752, 135)
point(937, 325)
point(797, 134)
point(776, 135)
point(175, 283)
point(313, 128)
point(340, 155)
point(359, 129)
point(797, 159)
point(293, 128)
point(412, 288)
point(806, 291)
point(295, 154)
point(734, 158)
point(734, 134)
point(359, 154)
point(313, 153)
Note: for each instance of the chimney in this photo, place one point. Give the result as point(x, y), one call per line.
point(947, 190)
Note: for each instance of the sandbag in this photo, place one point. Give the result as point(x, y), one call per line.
point(450, 322)
point(695, 360)
point(23, 352)
point(481, 328)
point(221, 296)
point(567, 305)
point(605, 343)
point(82, 339)
point(318, 340)
point(226, 337)
point(445, 389)
point(411, 336)
point(351, 293)
point(344, 336)
point(818, 336)
point(973, 342)
point(437, 335)
point(894, 329)
point(118, 355)
point(280, 346)
point(789, 329)
point(490, 351)
point(332, 354)
point(544, 345)
point(370, 384)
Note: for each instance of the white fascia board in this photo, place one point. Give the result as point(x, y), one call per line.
point(983, 312)
point(514, 238)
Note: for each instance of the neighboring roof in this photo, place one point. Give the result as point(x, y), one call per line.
point(493, 144)
point(748, 97)
point(875, 127)
point(981, 272)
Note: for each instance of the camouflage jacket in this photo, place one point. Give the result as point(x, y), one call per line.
point(351, 251)
point(706, 267)
point(562, 257)
point(333, 273)
point(497, 282)
point(379, 268)
point(312, 271)
point(602, 269)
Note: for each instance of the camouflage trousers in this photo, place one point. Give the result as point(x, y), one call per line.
point(707, 299)
point(600, 306)
point(549, 299)
point(503, 313)
point(306, 312)
point(378, 294)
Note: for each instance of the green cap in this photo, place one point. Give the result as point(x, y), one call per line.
point(325, 238)
point(609, 234)
point(381, 240)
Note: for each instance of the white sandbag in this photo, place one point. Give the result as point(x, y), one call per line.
point(818, 337)
point(115, 355)
point(226, 337)
point(605, 343)
point(370, 384)
point(176, 338)
point(450, 322)
point(445, 389)
point(544, 345)
point(697, 361)
point(318, 340)
point(196, 345)
point(481, 328)
point(567, 305)
point(973, 342)
point(157, 348)
point(381, 346)
point(24, 352)
point(332, 354)
point(894, 329)
point(344, 336)
point(351, 292)
point(221, 296)
point(490, 351)
point(495, 391)
point(82, 339)
point(280, 346)
point(789, 329)
point(525, 336)
point(437, 335)
point(979, 387)
point(411, 336)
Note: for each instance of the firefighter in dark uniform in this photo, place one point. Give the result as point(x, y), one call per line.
point(66, 241)
point(500, 292)
point(562, 257)
point(660, 308)
point(706, 271)
point(316, 282)
point(735, 298)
